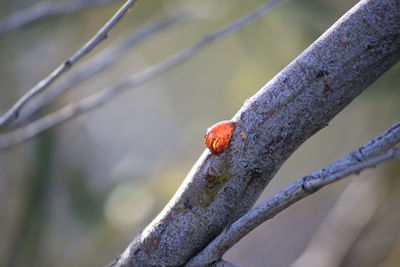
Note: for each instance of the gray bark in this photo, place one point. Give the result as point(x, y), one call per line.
point(289, 109)
point(379, 150)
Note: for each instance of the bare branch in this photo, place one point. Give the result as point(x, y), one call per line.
point(94, 101)
point(222, 263)
point(271, 125)
point(44, 10)
point(373, 153)
point(341, 227)
point(13, 112)
point(94, 66)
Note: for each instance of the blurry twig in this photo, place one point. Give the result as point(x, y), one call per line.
point(96, 100)
point(95, 65)
point(44, 10)
point(352, 212)
point(393, 258)
point(375, 152)
point(13, 112)
point(33, 203)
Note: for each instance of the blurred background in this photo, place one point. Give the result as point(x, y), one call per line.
point(77, 194)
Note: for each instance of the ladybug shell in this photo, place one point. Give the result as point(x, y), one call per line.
point(217, 137)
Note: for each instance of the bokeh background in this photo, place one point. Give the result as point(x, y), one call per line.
point(77, 194)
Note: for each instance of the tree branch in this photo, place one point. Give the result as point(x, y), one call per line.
point(341, 227)
point(13, 112)
point(97, 100)
point(271, 125)
point(44, 10)
point(94, 66)
point(222, 263)
point(370, 155)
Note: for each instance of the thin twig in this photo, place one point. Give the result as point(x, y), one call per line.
point(378, 152)
point(95, 65)
point(44, 10)
point(94, 101)
point(342, 226)
point(13, 112)
point(270, 126)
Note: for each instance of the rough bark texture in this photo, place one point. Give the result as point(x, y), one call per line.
point(379, 150)
point(271, 125)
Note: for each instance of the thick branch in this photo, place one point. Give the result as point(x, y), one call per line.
point(44, 10)
point(223, 263)
point(97, 100)
point(367, 156)
point(293, 106)
point(13, 112)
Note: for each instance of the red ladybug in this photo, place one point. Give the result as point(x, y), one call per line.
point(217, 137)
